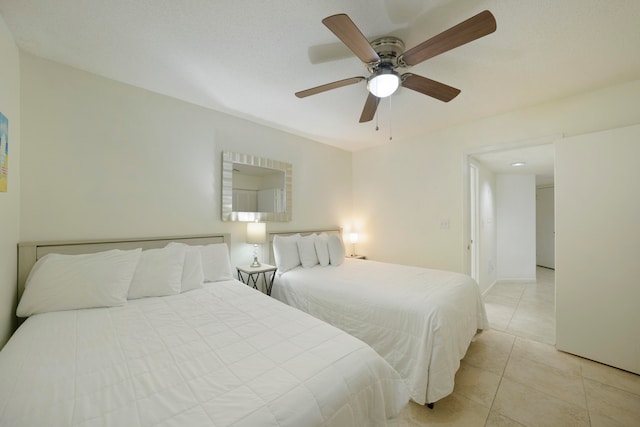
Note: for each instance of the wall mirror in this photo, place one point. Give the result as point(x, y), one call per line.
point(255, 188)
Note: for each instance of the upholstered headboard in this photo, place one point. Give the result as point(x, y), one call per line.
point(272, 261)
point(30, 252)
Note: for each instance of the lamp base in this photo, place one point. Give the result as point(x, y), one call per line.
point(255, 263)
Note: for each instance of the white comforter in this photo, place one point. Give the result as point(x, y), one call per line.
point(421, 321)
point(220, 356)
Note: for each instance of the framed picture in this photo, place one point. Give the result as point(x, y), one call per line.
point(4, 152)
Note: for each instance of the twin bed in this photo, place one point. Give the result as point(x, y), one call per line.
point(175, 351)
point(420, 320)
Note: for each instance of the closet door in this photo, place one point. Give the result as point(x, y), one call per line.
point(598, 246)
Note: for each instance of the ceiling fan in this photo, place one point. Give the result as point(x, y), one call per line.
point(385, 55)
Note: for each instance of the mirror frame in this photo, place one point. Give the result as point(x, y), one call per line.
point(228, 214)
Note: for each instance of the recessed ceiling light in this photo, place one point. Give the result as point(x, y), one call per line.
point(517, 164)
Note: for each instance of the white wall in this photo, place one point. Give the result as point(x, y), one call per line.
point(103, 159)
point(597, 250)
point(9, 201)
point(516, 227)
point(403, 190)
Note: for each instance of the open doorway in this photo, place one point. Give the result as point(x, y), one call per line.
point(521, 304)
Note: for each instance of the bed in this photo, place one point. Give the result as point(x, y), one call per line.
point(217, 354)
point(420, 320)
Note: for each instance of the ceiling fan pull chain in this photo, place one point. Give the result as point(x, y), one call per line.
point(390, 135)
point(377, 128)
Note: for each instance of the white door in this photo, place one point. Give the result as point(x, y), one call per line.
point(545, 228)
point(473, 235)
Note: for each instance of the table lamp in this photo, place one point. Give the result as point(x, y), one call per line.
point(256, 235)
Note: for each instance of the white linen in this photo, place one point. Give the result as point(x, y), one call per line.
point(221, 355)
point(216, 264)
point(159, 273)
point(192, 273)
point(336, 249)
point(285, 252)
point(307, 251)
point(66, 282)
point(322, 249)
point(421, 321)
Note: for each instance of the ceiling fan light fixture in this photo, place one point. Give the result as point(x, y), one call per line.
point(384, 82)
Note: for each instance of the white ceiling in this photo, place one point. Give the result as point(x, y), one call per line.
point(249, 57)
point(538, 160)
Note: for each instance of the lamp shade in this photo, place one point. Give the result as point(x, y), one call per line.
point(383, 83)
point(256, 233)
point(353, 237)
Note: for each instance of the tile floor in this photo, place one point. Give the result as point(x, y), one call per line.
point(512, 375)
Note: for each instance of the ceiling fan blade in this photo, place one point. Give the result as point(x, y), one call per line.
point(473, 28)
point(344, 28)
point(370, 107)
point(429, 87)
point(329, 86)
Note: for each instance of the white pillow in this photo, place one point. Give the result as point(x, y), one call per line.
point(159, 273)
point(285, 252)
point(192, 274)
point(307, 251)
point(216, 264)
point(67, 282)
point(322, 250)
point(336, 249)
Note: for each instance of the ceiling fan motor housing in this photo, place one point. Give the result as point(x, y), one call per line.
point(388, 49)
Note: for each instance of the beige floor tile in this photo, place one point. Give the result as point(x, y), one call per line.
point(562, 384)
point(547, 354)
point(536, 306)
point(507, 289)
point(538, 330)
point(402, 423)
point(533, 320)
point(486, 358)
point(453, 410)
point(533, 314)
point(545, 275)
point(534, 408)
point(539, 292)
point(611, 376)
point(613, 403)
point(499, 340)
point(503, 300)
point(488, 351)
point(598, 420)
point(499, 315)
point(498, 420)
point(476, 384)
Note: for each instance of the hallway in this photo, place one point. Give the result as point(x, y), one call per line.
point(525, 310)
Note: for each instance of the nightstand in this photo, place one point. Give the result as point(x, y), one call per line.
point(357, 256)
point(251, 275)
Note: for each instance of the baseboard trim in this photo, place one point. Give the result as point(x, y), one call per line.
point(517, 279)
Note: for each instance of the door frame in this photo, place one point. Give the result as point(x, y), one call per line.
point(466, 201)
point(474, 215)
